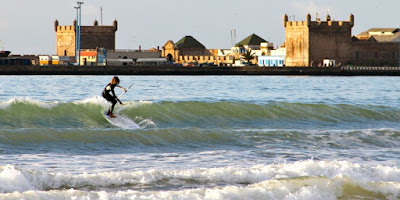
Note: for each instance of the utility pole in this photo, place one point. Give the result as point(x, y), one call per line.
point(78, 33)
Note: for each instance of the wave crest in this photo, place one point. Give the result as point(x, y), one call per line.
point(322, 178)
point(27, 113)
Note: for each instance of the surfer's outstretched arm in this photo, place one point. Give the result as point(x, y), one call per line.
point(125, 90)
point(116, 97)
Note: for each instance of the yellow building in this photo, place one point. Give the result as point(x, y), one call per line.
point(188, 51)
point(45, 60)
point(89, 57)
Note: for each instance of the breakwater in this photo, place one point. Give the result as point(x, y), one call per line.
point(178, 70)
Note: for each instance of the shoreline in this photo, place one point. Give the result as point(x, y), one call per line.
point(199, 71)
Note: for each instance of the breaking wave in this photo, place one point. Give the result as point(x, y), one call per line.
point(27, 113)
point(299, 180)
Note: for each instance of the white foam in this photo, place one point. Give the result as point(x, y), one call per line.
point(276, 191)
point(299, 180)
point(99, 100)
point(12, 180)
point(145, 123)
point(28, 100)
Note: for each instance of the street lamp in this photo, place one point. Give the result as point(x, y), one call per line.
point(78, 33)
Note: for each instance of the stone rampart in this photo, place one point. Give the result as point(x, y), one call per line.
point(178, 70)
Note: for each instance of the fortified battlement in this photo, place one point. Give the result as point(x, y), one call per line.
point(92, 37)
point(65, 28)
point(95, 26)
point(308, 43)
point(318, 23)
point(103, 29)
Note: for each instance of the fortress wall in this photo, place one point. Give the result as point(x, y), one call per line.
point(309, 42)
point(97, 36)
point(375, 53)
point(297, 46)
point(65, 40)
point(329, 42)
point(91, 37)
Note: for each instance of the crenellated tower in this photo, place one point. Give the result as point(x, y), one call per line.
point(92, 37)
point(309, 42)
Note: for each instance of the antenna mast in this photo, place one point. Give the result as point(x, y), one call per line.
point(233, 37)
point(101, 15)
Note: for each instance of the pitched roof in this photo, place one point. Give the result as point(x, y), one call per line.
point(393, 36)
point(169, 41)
point(391, 30)
point(189, 42)
point(389, 38)
point(253, 39)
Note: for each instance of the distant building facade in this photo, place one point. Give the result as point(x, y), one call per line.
point(255, 45)
point(121, 57)
point(92, 37)
point(380, 35)
point(271, 61)
point(189, 50)
point(308, 43)
point(378, 46)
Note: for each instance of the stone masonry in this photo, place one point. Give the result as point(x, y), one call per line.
point(92, 37)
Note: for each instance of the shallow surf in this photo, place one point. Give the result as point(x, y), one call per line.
point(201, 138)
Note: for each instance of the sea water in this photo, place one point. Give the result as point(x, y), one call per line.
point(201, 137)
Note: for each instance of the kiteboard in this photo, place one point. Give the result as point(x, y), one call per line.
point(121, 121)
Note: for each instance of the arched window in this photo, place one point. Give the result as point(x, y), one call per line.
point(169, 57)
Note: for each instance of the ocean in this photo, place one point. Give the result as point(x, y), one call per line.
point(201, 137)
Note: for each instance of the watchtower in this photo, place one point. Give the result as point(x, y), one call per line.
point(92, 37)
point(309, 42)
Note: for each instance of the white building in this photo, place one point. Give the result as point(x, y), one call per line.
point(271, 61)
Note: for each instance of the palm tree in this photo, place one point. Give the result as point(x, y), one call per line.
point(248, 56)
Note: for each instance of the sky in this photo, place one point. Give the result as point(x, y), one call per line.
point(27, 26)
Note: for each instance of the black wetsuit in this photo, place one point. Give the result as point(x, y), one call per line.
point(110, 97)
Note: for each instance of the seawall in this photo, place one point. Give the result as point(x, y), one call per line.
point(178, 70)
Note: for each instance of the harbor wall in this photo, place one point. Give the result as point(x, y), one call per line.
point(179, 70)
